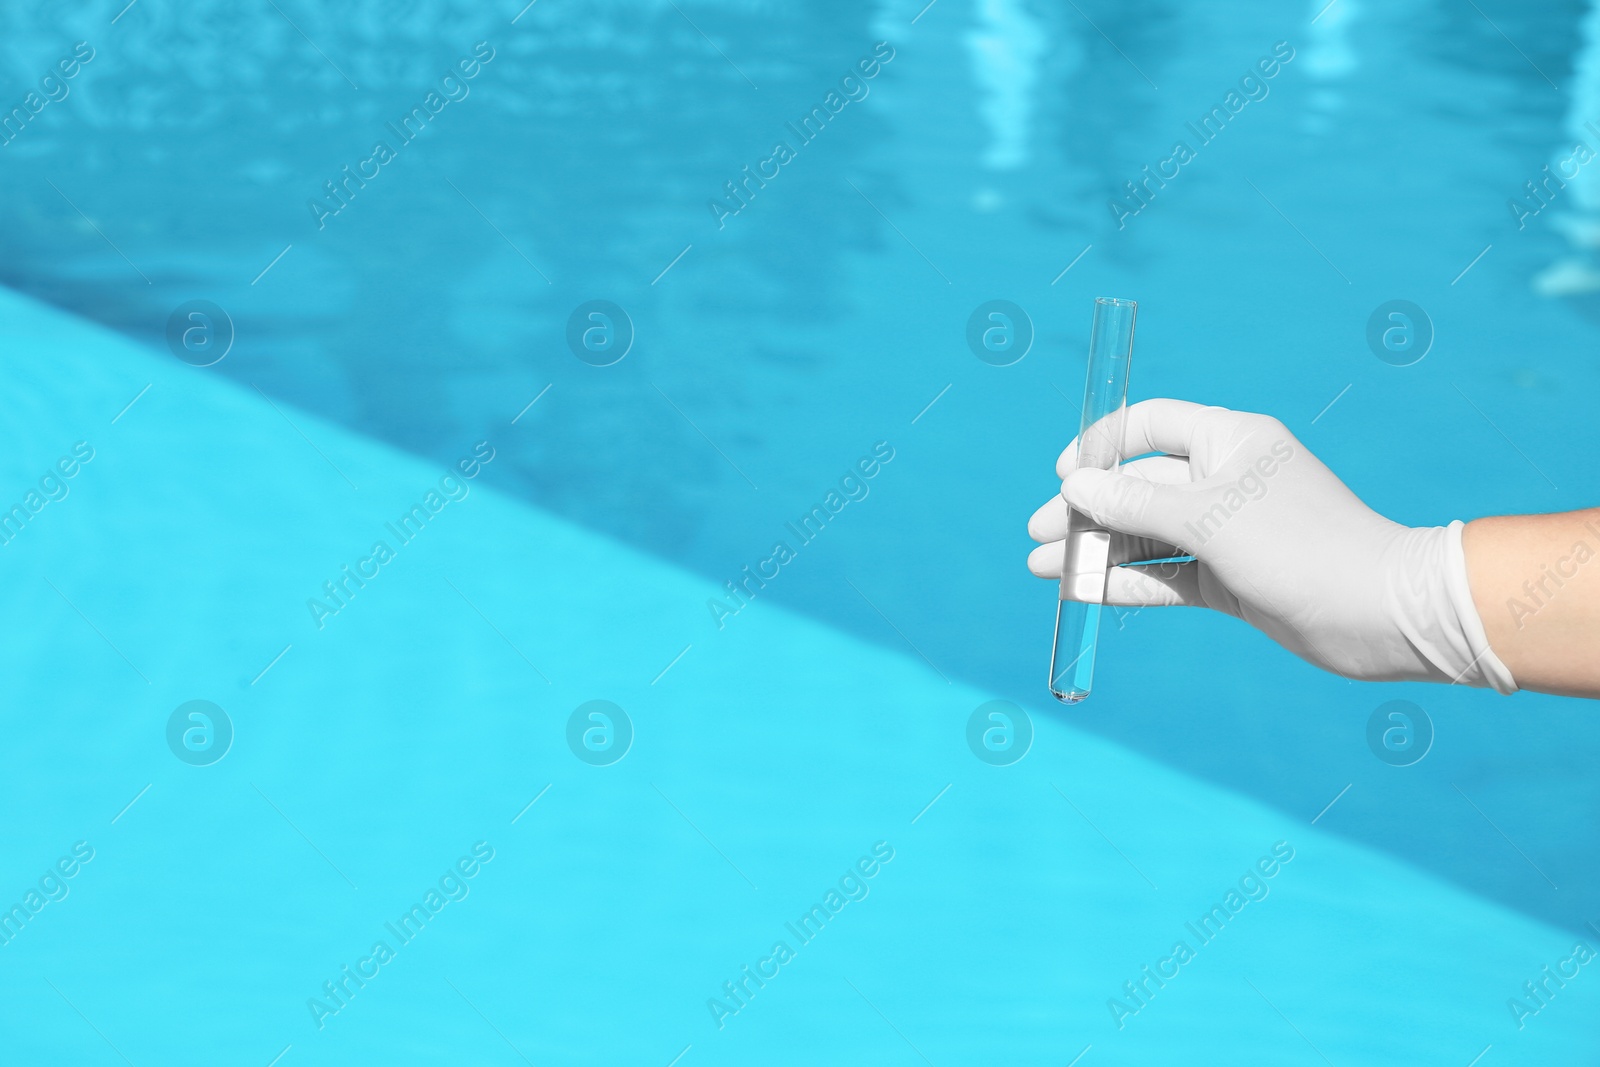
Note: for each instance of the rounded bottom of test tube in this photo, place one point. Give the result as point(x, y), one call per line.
point(1070, 696)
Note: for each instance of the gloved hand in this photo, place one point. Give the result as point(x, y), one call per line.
point(1279, 542)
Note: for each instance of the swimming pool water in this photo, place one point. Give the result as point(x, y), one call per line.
point(426, 307)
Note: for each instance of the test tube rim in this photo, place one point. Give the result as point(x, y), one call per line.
point(1116, 301)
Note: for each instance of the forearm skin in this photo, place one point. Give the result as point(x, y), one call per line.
point(1536, 583)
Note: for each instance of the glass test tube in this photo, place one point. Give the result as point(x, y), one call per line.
point(1088, 546)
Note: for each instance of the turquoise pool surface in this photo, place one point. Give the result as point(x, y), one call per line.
point(403, 365)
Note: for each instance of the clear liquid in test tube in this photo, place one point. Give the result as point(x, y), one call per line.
point(1088, 546)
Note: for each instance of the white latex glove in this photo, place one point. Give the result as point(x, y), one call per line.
point(1280, 543)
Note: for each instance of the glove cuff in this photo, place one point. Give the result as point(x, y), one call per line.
point(1484, 668)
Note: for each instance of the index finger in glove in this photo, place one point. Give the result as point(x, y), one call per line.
point(1161, 425)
